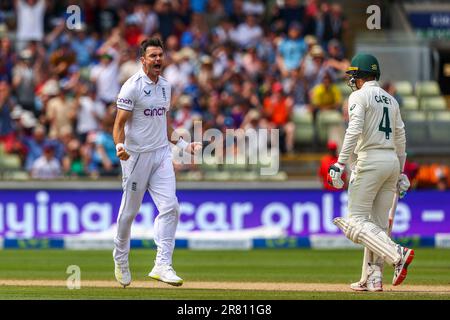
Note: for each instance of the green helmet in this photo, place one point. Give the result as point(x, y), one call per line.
point(364, 65)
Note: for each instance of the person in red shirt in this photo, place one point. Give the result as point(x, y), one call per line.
point(326, 162)
point(277, 108)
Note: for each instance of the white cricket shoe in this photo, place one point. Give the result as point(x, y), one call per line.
point(374, 282)
point(122, 273)
point(359, 286)
point(165, 273)
point(401, 268)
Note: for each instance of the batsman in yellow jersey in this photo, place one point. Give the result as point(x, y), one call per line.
point(376, 134)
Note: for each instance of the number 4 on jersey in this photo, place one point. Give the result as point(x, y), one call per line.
point(385, 124)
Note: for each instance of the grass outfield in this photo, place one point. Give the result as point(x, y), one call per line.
point(275, 273)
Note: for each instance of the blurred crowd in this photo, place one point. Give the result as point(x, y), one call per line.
point(232, 64)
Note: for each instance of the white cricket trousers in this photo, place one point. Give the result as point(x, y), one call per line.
point(152, 171)
point(371, 190)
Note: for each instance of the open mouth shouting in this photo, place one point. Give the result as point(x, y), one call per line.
point(157, 67)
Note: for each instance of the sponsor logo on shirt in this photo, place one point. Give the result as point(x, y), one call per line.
point(155, 112)
point(124, 101)
point(164, 93)
point(147, 92)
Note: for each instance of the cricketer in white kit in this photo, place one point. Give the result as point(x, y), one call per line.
point(142, 132)
point(376, 134)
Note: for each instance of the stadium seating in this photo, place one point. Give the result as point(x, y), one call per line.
point(439, 116)
point(304, 128)
point(439, 127)
point(325, 120)
point(427, 89)
point(433, 103)
point(10, 161)
point(414, 115)
point(404, 88)
point(410, 103)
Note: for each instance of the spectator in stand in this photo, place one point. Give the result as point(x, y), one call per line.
point(338, 21)
point(88, 109)
point(84, 46)
point(106, 77)
point(59, 112)
point(148, 18)
point(130, 65)
point(278, 110)
point(256, 7)
point(195, 36)
point(325, 96)
point(30, 21)
point(104, 156)
point(35, 145)
point(215, 13)
point(336, 60)
point(73, 163)
point(313, 68)
point(7, 134)
point(296, 86)
point(325, 163)
point(292, 11)
point(184, 13)
point(252, 64)
point(106, 18)
point(223, 31)
point(46, 166)
point(237, 15)
point(248, 33)
point(291, 50)
point(7, 58)
point(62, 58)
point(205, 75)
point(199, 6)
point(433, 175)
point(133, 32)
point(24, 81)
point(166, 15)
point(184, 116)
point(179, 69)
point(318, 21)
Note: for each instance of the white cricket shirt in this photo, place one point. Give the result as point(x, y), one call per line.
point(146, 130)
point(374, 122)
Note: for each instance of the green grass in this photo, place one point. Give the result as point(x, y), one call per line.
point(430, 267)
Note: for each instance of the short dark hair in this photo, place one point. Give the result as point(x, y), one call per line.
point(151, 42)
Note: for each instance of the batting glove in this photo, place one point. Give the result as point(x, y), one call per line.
point(334, 175)
point(403, 185)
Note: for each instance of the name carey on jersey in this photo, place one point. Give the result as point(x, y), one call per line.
point(383, 99)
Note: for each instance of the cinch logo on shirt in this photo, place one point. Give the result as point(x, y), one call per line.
point(124, 101)
point(155, 112)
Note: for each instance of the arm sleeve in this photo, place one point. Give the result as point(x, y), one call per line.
point(356, 111)
point(126, 98)
point(400, 139)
